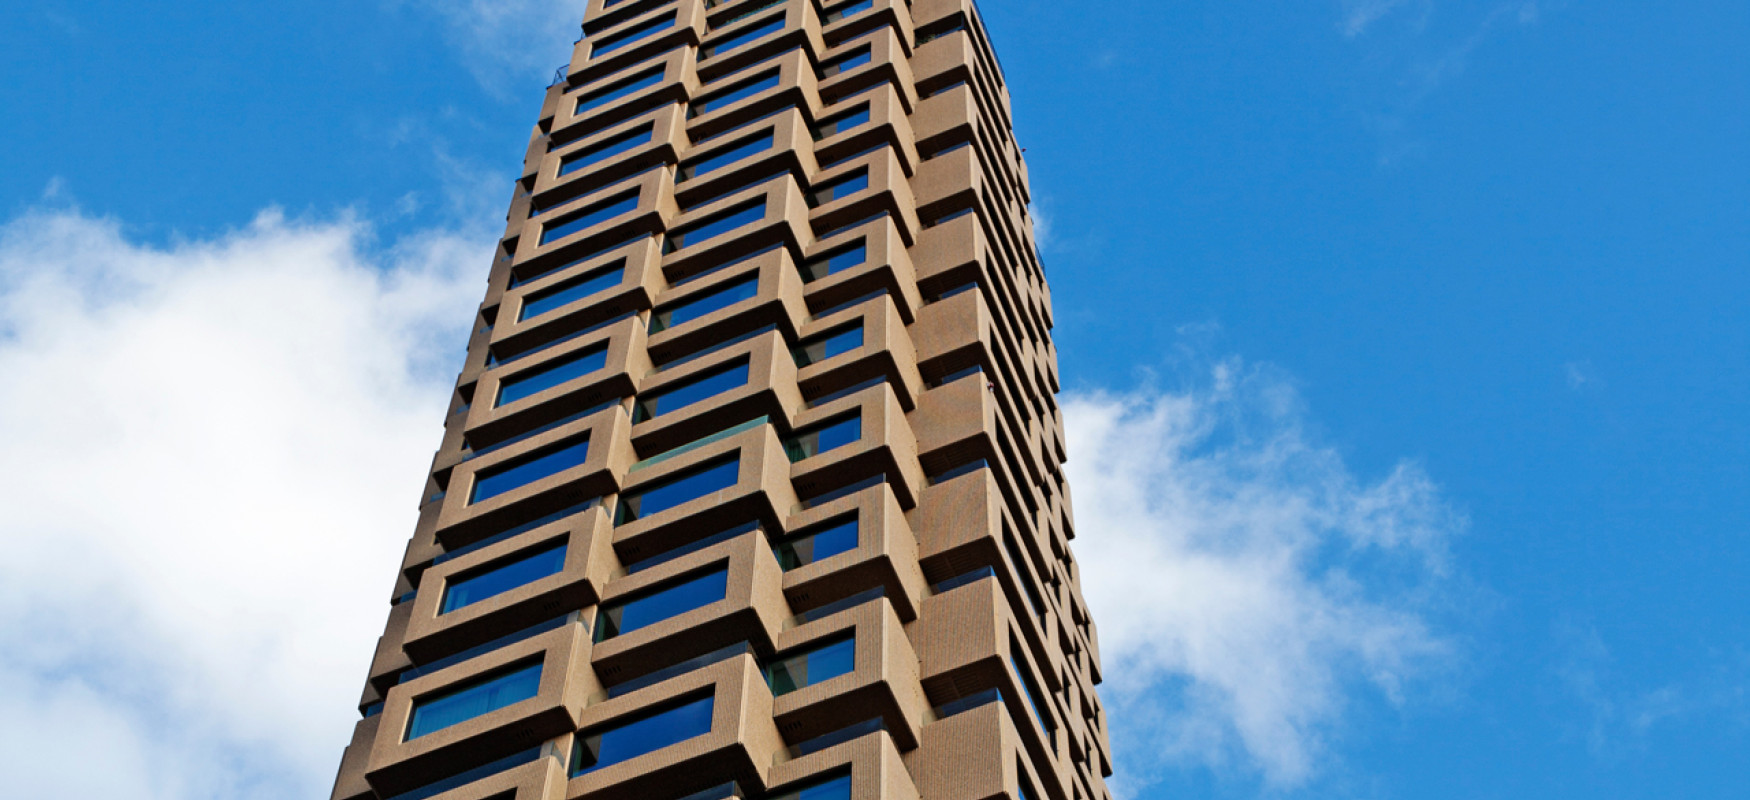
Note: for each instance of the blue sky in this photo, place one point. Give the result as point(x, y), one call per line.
point(1455, 290)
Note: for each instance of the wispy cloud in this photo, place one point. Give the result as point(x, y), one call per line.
point(192, 434)
point(1359, 15)
point(1248, 586)
point(509, 39)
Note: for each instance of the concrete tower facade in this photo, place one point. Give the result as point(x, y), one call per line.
point(752, 483)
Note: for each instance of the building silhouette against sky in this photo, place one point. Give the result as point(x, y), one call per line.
point(752, 483)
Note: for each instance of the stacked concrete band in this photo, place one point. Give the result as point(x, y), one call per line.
point(752, 483)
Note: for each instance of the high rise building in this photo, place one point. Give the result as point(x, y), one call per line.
point(752, 483)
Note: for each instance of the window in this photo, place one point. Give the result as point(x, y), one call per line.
point(723, 158)
point(679, 490)
point(625, 617)
point(686, 394)
point(715, 226)
point(752, 9)
point(517, 474)
point(817, 544)
point(843, 122)
point(619, 91)
point(847, 11)
point(632, 35)
point(528, 384)
point(734, 94)
point(1025, 786)
point(694, 308)
point(563, 294)
point(588, 217)
point(1035, 700)
point(628, 740)
point(825, 438)
point(815, 666)
point(822, 348)
point(836, 261)
point(940, 30)
point(838, 788)
point(619, 145)
point(493, 580)
point(847, 63)
point(476, 699)
point(839, 189)
point(736, 41)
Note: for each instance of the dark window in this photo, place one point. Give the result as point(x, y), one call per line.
point(825, 438)
point(818, 665)
point(836, 261)
point(817, 544)
point(696, 307)
point(822, 348)
point(542, 464)
point(686, 394)
point(588, 217)
point(839, 189)
point(723, 158)
point(533, 382)
point(734, 94)
point(838, 788)
point(843, 122)
point(479, 698)
point(1035, 700)
point(678, 491)
point(491, 581)
point(716, 226)
point(563, 294)
point(639, 33)
point(847, 11)
point(628, 740)
point(620, 91)
point(619, 145)
point(742, 39)
point(847, 63)
point(622, 618)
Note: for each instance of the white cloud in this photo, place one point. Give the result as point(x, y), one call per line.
point(213, 454)
point(1248, 587)
point(510, 38)
point(1359, 15)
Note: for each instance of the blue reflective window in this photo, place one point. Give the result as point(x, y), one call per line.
point(620, 91)
point(1034, 700)
point(822, 348)
point(625, 617)
point(563, 294)
point(847, 11)
point(815, 666)
point(838, 788)
point(697, 307)
point(843, 122)
point(679, 490)
point(627, 37)
point(475, 699)
point(724, 158)
point(542, 464)
point(744, 38)
point(735, 94)
point(588, 217)
point(529, 384)
point(817, 544)
point(482, 584)
point(716, 226)
point(847, 63)
point(836, 261)
point(839, 189)
point(831, 436)
point(752, 9)
point(686, 394)
point(619, 145)
point(629, 740)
